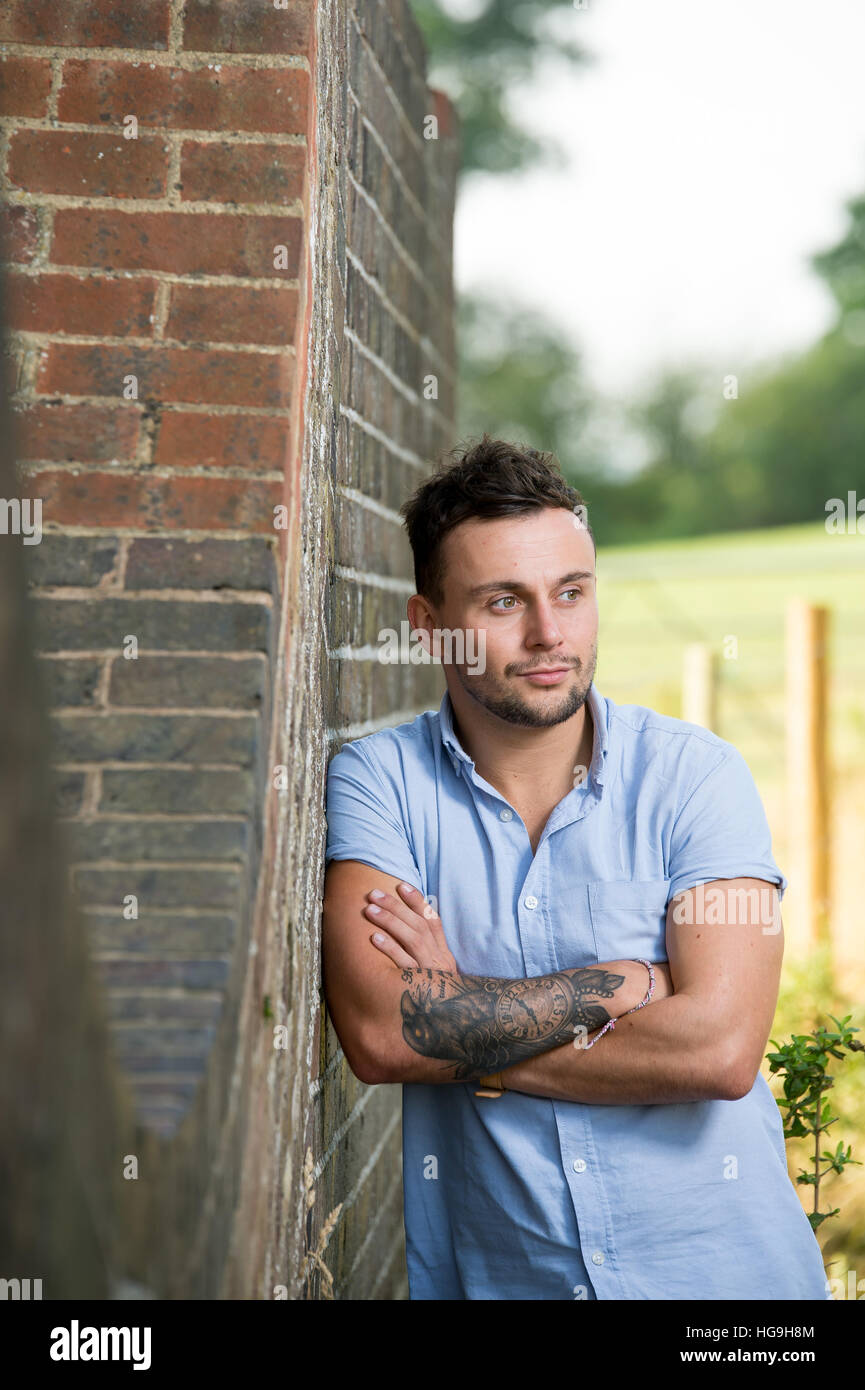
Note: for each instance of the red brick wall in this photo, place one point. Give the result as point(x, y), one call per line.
point(220, 334)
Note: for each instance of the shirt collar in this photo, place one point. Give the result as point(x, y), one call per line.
point(601, 734)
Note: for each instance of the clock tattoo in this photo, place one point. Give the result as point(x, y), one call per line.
point(485, 1024)
point(535, 1012)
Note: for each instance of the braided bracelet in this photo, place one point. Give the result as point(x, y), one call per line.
point(642, 1003)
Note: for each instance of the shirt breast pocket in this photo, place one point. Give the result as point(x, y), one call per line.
point(629, 918)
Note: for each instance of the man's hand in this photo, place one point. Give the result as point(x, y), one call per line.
point(404, 1022)
point(411, 933)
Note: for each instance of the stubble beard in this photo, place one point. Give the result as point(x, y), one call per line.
point(497, 696)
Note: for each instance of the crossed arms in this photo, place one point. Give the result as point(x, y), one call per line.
point(404, 1012)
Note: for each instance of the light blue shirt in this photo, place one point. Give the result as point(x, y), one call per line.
point(523, 1197)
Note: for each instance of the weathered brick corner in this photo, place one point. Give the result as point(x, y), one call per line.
point(228, 290)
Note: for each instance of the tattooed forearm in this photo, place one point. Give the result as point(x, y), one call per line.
point(480, 1025)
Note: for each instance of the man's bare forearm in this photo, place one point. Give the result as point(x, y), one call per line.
point(664, 1054)
point(475, 1024)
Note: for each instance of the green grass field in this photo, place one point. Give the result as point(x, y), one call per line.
point(654, 599)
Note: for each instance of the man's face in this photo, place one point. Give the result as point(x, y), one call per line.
point(529, 582)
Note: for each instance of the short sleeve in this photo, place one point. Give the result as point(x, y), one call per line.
point(363, 817)
point(722, 830)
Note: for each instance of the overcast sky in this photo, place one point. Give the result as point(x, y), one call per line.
point(712, 146)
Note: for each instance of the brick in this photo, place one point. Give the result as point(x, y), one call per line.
point(164, 1120)
point(24, 85)
point(86, 23)
point(169, 839)
point(12, 370)
point(155, 563)
point(168, 374)
point(360, 531)
point(192, 974)
point(101, 622)
point(364, 689)
point(181, 886)
point(219, 791)
point(161, 1048)
point(57, 431)
point(246, 26)
point(194, 243)
point(72, 560)
point(19, 233)
point(149, 1067)
point(226, 314)
point(414, 297)
point(164, 1095)
point(98, 305)
point(203, 503)
point(70, 681)
point(156, 1004)
point(189, 682)
point(68, 792)
point(361, 1265)
point(143, 738)
point(356, 613)
point(159, 1097)
point(398, 18)
point(364, 463)
point(88, 166)
point(221, 441)
point(233, 172)
point(270, 101)
point(169, 933)
point(375, 32)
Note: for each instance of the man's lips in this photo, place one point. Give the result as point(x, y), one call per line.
point(546, 675)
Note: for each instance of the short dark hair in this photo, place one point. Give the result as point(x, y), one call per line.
point(492, 478)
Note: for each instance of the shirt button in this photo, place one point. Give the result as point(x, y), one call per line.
point(579, 1165)
point(530, 902)
point(598, 1257)
point(505, 814)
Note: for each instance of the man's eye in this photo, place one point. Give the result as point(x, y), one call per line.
point(573, 591)
point(504, 599)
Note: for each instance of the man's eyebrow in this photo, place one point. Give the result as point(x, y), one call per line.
point(516, 584)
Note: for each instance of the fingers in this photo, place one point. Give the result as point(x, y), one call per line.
point(400, 908)
point(392, 950)
point(418, 904)
point(383, 919)
point(412, 930)
point(394, 927)
point(416, 901)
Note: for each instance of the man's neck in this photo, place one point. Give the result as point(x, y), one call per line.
point(527, 765)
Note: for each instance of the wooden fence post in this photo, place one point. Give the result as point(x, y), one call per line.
point(808, 798)
point(700, 686)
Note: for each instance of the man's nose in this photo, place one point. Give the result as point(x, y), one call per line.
point(543, 627)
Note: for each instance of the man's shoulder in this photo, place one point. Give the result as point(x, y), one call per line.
point(650, 736)
point(396, 750)
point(373, 783)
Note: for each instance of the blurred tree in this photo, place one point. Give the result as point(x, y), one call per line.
point(518, 375)
point(773, 456)
point(516, 368)
point(793, 438)
point(479, 50)
point(843, 266)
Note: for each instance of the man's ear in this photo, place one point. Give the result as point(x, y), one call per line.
point(423, 622)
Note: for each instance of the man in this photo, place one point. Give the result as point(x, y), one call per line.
point(561, 839)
